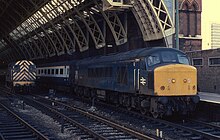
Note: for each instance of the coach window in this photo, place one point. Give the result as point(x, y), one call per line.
point(49, 71)
point(38, 72)
point(42, 71)
point(57, 71)
point(52, 71)
point(61, 71)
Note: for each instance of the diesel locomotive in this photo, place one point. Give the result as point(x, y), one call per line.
point(157, 80)
point(21, 76)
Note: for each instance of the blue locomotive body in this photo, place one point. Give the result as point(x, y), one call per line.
point(124, 72)
point(114, 75)
point(155, 80)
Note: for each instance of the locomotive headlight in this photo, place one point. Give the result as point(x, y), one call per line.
point(173, 80)
point(185, 80)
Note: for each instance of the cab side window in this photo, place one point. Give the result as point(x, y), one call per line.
point(153, 59)
point(16, 68)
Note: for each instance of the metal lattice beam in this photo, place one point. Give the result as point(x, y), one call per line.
point(58, 27)
point(153, 19)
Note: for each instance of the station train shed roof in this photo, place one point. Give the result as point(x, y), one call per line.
point(38, 29)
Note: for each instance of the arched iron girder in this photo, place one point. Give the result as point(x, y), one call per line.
point(155, 25)
point(17, 12)
point(50, 44)
point(22, 48)
point(70, 46)
point(42, 46)
point(91, 26)
point(36, 49)
point(59, 43)
point(5, 6)
point(31, 53)
point(8, 56)
point(81, 38)
point(15, 46)
point(28, 48)
point(12, 44)
point(115, 25)
point(25, 47)
point(153, 19)
point(51, 36)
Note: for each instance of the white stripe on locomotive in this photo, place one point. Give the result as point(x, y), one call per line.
point(24, 73)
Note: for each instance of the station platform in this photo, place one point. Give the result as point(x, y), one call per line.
point(210, 97)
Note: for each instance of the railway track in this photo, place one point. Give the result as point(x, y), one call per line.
point(211, 130)
point(168, 130)
point(14, 127)
point(84, 124)
point(132, 121)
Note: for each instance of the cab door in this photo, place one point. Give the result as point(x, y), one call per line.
point(143, 78)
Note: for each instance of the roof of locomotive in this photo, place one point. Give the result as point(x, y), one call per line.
point(20, 62)
point(129, 55)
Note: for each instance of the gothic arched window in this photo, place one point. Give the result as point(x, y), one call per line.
point(186, 17)
point(193, 18)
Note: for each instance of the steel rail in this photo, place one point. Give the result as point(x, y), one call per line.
point(113, 124)
point(33, 130)
point(101, 119)
point(68, 119)
point(178, 126)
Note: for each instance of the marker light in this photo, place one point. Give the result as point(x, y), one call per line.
point(162, 87)
point(173, 81)
point(194, 87)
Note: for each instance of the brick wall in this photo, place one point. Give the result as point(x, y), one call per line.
point(208, 76)
point(190, 25)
